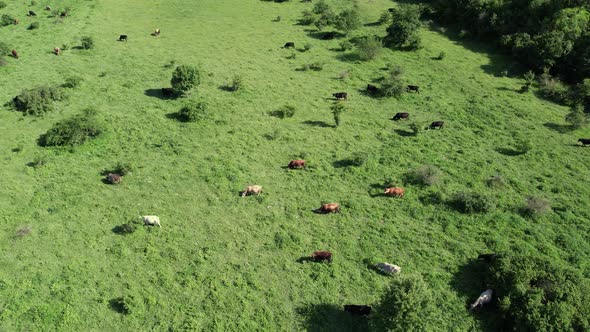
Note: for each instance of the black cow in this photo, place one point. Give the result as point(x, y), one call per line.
point(32, 13)
point(436, 124)
point(340, 95)
point(391, 10)
point(585, 141)
point(401, 115)
point(372, 89)
point(289, 45)
point(357, 310)
point(167, 92)
point(413, 88)
point(487, 257)
point(123, 38)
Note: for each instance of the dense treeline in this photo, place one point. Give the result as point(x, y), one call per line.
point(543, 34)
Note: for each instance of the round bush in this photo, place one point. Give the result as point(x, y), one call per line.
point(193, 112)
point(87, 43)
point(184, 78)
point(72, 82)
point(368, 48)
point(473, 202)
point(2, 4)
point(37, 101)
point(33, 26)
point(74, 131)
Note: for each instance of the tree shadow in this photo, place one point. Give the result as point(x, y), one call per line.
point(325, 35)
point(118, 305)
point(331, 318)
point(176, 116)
point(321, 124)
point(160, 94)
point(404, 133)
point(372, 24)
point(124, 229)
point(509, 152)
point(560, 128)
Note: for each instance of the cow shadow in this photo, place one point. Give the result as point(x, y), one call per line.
point(331, 318)
point(321, 124)
point(157, 93)
point(404, 133)
point(509, 152)
point(560, 128)
point(305, 259)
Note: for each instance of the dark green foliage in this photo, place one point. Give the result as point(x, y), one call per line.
point(87, 43)
point(74, 131)
point(337, 109)
point(441, 55)
point(33, 26)
point(473, 202)
point(323, 15)
point(122, 305)
point(358, 159)
point(125, 229)
point(407, 305)
point(392, 84)
point(184, 78)
point(193, 111)
point(315, 66)
point(577, 118)
point(536, 206)
point(2, 4)
point(385, 17)
point(553, 89)
point(286, 111)
point(236, 84)
point(4, 49)
point(426, 175)
point(123, 169)
point(368, 48)
point(348, 20)
point(307, 47)
point(72, 82)
point(37, 101)
point(346, 45)
point(307, 18)
point(537, 294)
point(404, 29)
point(6, 19)
point(416, 128)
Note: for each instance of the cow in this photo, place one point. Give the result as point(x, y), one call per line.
point(394, 192)
point(57, 51)
point(156, 32)
point(388, 268)
point(322, 256)
point(289, 45)
point(413, 88)
point(32, 13)
point(372, 89)
point(14, 54)
point(151, 220)
point(329, 208)
point(63, 14)
point(251, 190)
point(340, 95)
point(391, 10)
point(584, 141)
point(400, 115)
point(297, 163)
point(357, 310)
point(114, 178)
point(123, 38)
point(16, 21)
point(436, 124)
point(167, 92)
point(485, 297)
point(487, 257)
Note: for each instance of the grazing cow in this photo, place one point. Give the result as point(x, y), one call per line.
point(114, 178)
point(251, 190)
point(487, 257)
point(32, 13)
point(585, 141)
point(388, 268)
point(436, 124)
point(340, 95)
point(485, 297)
point(289, 45)
point(401, 115)
point(167, 92)
point(372, 89)
point(57, 51)
point(322, 256)
point(297, 163)
point(329, 208)
point(14, 54)
point(394, 192)
point(357, 310)
point(63, 14)
point(123, 38)
point(413, 88)
point(151, 220)
point(156, 32)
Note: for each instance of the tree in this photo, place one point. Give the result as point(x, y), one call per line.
point(369, 47)
point(185, 78)
point(348, 20)
point(404, 29)
point(576, 117)
point(337, 109)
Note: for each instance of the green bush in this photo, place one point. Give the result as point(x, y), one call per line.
point(286, 111)
point(538, 294)
point(123, 169)
point(392, 84)
point(37, 101)
point(337, 109)
point(2, 4)
point(348, 20)
point(33, 26)
point(6, 19)
point(87, 43)
point(576, 117)
point(385, 17)
point(536, 206)
point(194, 111)
point(74, 131)
point(441, 55)
point(72, 82)
point(553, 89)
point(4, 49)
point(404, 30)
point(358, 159)
point(426, 175)
point(368, 48)
point(308, 18)
point(236, 84)
point(184, 78)
point(307, 47)
point(346, 45)
point(473, 202)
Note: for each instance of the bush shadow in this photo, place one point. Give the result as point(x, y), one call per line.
point(325, 35)
point(321, 124)
point(404, 133)
point(343, 163)
point(509, 152)
point(560, 128)
point(348, 57)
point(158, 93)
point(331, 318)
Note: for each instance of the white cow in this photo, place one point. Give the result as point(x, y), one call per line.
point(388, 268)
point(485, 297)
point(151, 220)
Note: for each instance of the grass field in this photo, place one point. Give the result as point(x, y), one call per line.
point(225, 263)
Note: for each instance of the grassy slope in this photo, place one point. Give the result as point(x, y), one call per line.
point(222, 262)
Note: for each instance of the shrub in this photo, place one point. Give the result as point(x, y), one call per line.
point(2, 4)
point(404, 29)
point(392, 85)
point(194, 111)
point(308, 18)
point(72, 82)
point(441, 55)
point(6, 19)
point(33, 26)
point(536, 206)
point(125, 229)
point(23, 231)
point(577, 118)
point(359, 159)
point(87, 43)
point(368, 48)
point(307, 47)
point(529, 77)
point(407, 305)
point(123, 169)
point(346, 45)
point(348, 20)
point(426, 175)
point(236, 84)
point(316, 66)
point(538, 294)
point(286, 111)
point(4, 49)
point(74, 131)
point(523, 145)
point(37, 101)
point(337, 109)
point(385, 17)
point(553, 89)
point(344, 75)
point(416, 129)
point(496, 181)
point(473, 202)
point(184, 78)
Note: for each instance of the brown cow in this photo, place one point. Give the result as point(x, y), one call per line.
point(57, 51)
point(251, 190)
point(16, 21)
point(329, 208)
point(297, 163)
point(114, 178)
point(14, 53)
point(321, 256)
point(401, 115)
point(394, 192)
